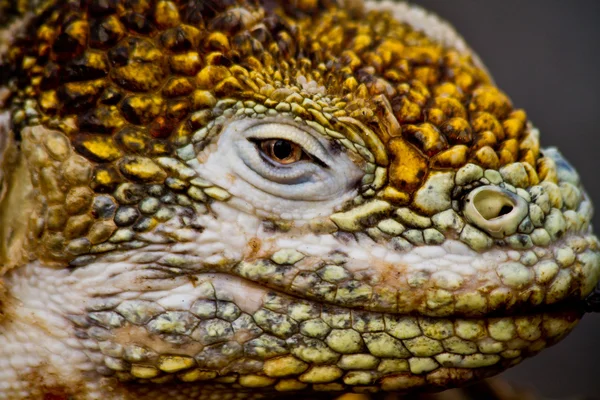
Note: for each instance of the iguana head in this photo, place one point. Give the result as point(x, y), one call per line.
point(256, 197)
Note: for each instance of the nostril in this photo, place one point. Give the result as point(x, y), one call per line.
point(505, 210)
point(495, 210)
point(491, 203)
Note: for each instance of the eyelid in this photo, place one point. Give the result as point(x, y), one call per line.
point(309, 144)
point(303, 191)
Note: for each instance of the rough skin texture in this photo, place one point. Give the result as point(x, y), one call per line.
point(247, 199)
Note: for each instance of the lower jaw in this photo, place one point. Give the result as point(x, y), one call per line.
point(280, 344)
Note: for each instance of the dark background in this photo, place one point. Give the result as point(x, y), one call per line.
point(545, 54)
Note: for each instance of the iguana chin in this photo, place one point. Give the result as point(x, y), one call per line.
point(249, 199)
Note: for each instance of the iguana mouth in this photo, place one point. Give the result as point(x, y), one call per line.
point(209, 331)
point(179, 325)
point(154, 333)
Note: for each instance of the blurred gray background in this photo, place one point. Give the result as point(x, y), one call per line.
point(545, 54)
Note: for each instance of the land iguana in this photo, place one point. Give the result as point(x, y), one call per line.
point(244, 199)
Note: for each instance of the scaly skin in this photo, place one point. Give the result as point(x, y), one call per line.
point(230, 199)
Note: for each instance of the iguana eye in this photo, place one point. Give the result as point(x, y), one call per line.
point(281, 166)
point(281, 145)
point(282, 151)
point(283, 154)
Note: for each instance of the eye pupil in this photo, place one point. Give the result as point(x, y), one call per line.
point(282, 149)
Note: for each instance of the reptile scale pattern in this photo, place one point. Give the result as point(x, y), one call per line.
point(150, 247)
